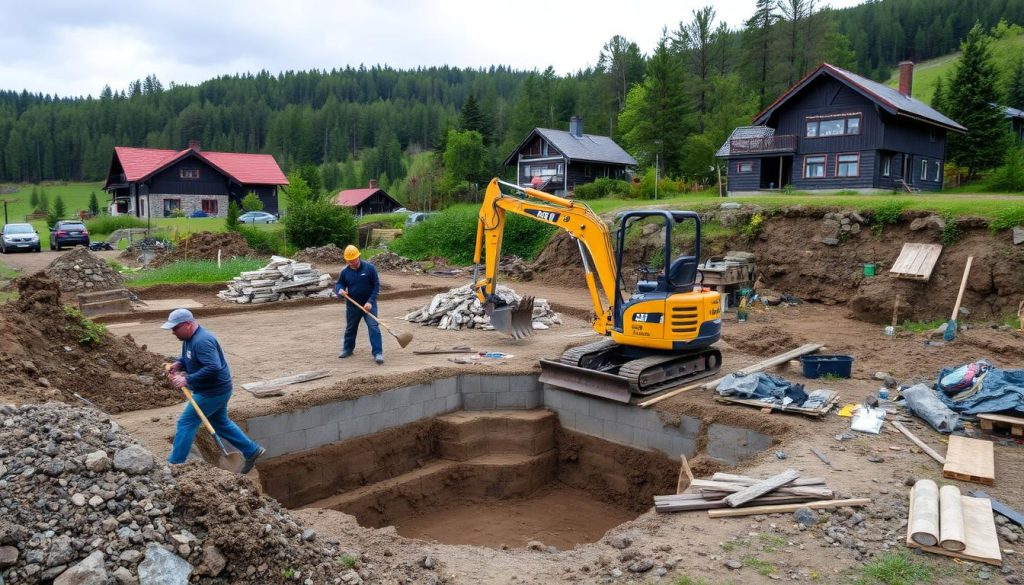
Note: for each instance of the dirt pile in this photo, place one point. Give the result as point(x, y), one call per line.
point(80, 270)
point(560, 263)
point(329, 254)
point(49, 353)
point(515, 268)
point(82, 499)
point(392, 261)
point(205, 246)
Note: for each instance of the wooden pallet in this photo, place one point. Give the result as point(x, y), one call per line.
point(916, 261)
point(769, 407)
point(990, 421)
point(970, 460)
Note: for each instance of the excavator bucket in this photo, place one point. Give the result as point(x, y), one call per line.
point(515, 321)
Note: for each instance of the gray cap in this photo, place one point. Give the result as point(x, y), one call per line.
point(177, 317)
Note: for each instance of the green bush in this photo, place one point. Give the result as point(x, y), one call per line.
point(318, 223)
point(108, 224)
point(602, 187)
point(262, 240)
point(1007, 219)
point(1010, 176)
point(889, 213)
point(231, 219)
point(451, 234)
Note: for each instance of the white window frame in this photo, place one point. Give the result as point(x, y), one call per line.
point(745, 163)
point(823, 164)
point(924, 169)
point(887, 165)
point(938, 170)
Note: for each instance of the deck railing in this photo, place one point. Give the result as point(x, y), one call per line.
point(781, 143)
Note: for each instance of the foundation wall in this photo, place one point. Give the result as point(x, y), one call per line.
point(297, 431)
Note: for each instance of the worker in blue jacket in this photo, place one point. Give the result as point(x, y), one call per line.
point(359, 280)
point(203, 368)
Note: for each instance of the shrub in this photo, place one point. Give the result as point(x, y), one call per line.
point(318, 223)
point(263, 241)
point(108, 224)
point(88, 332)
point(452, 235)
point(231, 219)
point(1010, 176)
point(602, 187)
point(252, 202)
point(1007, 219)
point(889, 212)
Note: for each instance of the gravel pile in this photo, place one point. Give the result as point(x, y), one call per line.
point(329, 254)
point(392, 261)
point(80, 270)
point(80, 502)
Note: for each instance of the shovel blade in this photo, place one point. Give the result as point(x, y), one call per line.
point(404, 338)
point(514, 321)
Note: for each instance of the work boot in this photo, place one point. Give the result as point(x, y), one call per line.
point(379, 358)
point(251, 461)
point(344, 354)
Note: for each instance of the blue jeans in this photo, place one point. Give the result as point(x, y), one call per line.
point(216, 410)
point(353, 315)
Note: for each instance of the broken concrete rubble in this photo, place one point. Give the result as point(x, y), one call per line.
point(459, 308)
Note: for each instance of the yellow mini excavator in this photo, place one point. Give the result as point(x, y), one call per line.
point(659, 331)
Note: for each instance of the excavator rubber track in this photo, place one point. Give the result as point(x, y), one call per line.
point(599, 369)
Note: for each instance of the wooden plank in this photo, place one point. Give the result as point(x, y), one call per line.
point(821, 455)
point(982, 542)
point(777, 509)
point(684, 472)
point(745, 480)
point(761, 365)
point(970, 460)
point(762, 487)
point(1016, 424)
point(729, 488)
point(928, 450)
point(1000, 508)
point(294, 379)
point(702, 504)
point(916, 261)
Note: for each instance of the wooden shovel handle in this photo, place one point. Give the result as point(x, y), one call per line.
point(199, 411)
point(363, 309)
point(963, 285)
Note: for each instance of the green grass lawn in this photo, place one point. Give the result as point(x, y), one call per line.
point(194, 272)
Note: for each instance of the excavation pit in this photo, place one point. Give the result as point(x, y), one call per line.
point(482, 478)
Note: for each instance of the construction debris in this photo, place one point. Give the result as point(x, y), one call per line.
point(80, 270)
point(459, 307)
point(329, 254)
point(725, 490)
point(282, 279)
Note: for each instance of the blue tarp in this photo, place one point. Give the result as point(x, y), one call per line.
point(761, 386)
point(994, 390)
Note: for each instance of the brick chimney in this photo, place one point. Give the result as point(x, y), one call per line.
point(194, 145)
point(906, 77)
point(576, 126)
point(373, 183)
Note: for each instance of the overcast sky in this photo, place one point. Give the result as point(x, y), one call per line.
point(71, 47)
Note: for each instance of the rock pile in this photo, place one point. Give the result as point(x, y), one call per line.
point(460, 308)
point(81, 270)
point(392, 261)
point(329, 254)
point(514, 267)
point(205, 245)
point(835, 227)
point(282, 279)
point(82, 503)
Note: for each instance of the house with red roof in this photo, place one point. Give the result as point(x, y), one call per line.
point(367, 201)
point(835, 130)
point(154, 182)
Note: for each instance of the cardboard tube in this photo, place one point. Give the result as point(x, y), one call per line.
point(951, 519)
point(924, 520)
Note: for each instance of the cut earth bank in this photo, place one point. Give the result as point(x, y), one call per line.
point(277, 341)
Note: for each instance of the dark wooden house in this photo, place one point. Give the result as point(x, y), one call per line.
point(1015, 120)
point(836, 130)
point(367, 201)
point(557, 161)
point(152, 182)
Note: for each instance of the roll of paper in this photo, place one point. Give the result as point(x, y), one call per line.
point(924, 521)
point(951, 519)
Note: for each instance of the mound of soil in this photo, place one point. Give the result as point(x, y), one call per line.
point(560, 263)
point(759, 339)
point(205, 245)
point(329, 254)
point(44, 356)
point(392, 261)
point(80, 270)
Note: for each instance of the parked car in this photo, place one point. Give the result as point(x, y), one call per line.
point(254, 217)
point(417, 217)
point(19, 236)
point(68, 232)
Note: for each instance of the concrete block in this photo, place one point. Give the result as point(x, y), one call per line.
point(494, 384)
point(446, 387)
point(533, 399)
point(453, 402)
point(300, 420)
point(469, 384)
point(410, 414)
point(690, 426)
point(321, 435)
point(274, 445)
point(338, 411)
point(603, 409)
point(732, 444)
point(576, 402)
point(293, 442)
point(552, 397)
point(589, 425)
point(267, 426)
point(396, 399)
point(355, 427)
point(369, 404)
point(478, 401)
point(383, 420)
point(523, 383)
point(515, 400)
point(636, 417)
point(421, 393)
point(435, 407)
point(566, 418)
point(618, 432)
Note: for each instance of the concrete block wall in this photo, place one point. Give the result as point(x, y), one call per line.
point(484, 392)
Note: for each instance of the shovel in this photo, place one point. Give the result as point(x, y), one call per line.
point(230, 460)
point(402, 337)
point(950, 333)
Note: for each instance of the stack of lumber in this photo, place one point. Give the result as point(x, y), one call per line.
point(751, 495)
point(459, 308)
point(280, 280)
point(944, 522)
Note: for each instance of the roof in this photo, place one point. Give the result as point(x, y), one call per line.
point(353, 197)
point(1010, 112)
point(890, 99)
point(744, 132)
point(580, 148)
point(249, 169)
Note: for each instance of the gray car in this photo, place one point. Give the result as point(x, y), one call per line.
point(417, 217)
point(254, 217)
point(19, 236)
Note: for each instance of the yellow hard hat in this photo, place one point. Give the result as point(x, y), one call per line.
point(351, 253)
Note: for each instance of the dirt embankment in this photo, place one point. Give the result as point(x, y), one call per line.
point(206, 246)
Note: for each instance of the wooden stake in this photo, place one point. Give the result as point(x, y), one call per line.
point(931, 452)
point(684, 470)
point(895, 310)
point(782, 508)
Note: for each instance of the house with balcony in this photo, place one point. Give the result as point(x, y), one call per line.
point(835, 130)
point(154, 182)
point(556, 161)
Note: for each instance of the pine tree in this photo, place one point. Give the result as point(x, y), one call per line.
point(757, 40)
point(939, 97)
point(34, 199)
point(472, 118)
point(58, 207)
point(969, 100)
point(94, 204)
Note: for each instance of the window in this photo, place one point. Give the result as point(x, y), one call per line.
point(587, 170)
point(170, 206)
point(745, 166)
point(924, 169)
point(210, 206)
point(814, 167)
point(848, 165)
point(188, 173)
point(833, 127)
point(938, 170)
point(887, 165)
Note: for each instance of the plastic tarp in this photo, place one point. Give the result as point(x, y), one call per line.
point(925, 403)
point(762, 386)
point(979, 387)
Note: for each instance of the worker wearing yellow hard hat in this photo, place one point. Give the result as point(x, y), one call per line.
point(360, 283)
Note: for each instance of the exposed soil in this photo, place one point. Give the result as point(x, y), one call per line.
point(206, 245)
